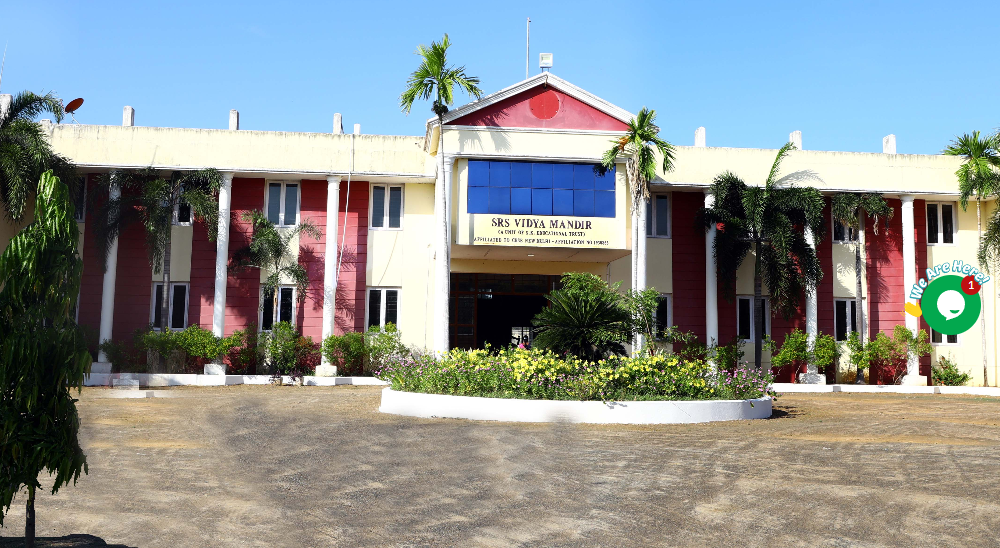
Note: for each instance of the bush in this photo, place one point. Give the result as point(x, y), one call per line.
point(127, 356)
point(826, 351)
point(729, 357)
point(347, 352)
point(246, 355)
point(542, 374)
point(946, 373)
point(887, 357)
point(382, 346)
point(586, 318)
point(203, 344)
point(288, 352)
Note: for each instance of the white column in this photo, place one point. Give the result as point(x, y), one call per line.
point(640, 260)
point(711, 282)
point(442, 262)
point(889, 144)
point(913, 376)
point(128, 116)
point(222, 257)
point(108, 291)
point(812, 375)
point(795, 138)
point(330, 267)
point(234, 119)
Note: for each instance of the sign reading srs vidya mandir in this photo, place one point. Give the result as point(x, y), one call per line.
point(547, 231)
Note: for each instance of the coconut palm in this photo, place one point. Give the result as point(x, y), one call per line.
point(436, 79)
point(850, 209)
point(769, 220)
point(640, 144)
point(270, 250)
point(25, 152)
point(978, 177)
point(129, 196)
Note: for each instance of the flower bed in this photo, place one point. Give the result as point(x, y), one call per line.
point(542, 375)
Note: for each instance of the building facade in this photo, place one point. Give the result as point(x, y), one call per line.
point(517, 204)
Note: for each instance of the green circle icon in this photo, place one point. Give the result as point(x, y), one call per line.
point(946, 308)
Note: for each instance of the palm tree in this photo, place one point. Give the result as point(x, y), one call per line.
point(435, 78)
point(586, 317)
point(639, 144)
point(850, 209)
point(270, 250)
point(144, 196)
point(25, 152)
point(771, 221)
point(978, 177)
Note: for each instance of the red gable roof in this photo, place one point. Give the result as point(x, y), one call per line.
point(542, 106)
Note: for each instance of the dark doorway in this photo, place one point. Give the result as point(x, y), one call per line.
point(502, 320)
point(496, 308)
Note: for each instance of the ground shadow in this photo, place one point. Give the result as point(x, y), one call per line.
point(68, 541)
point(785, 412)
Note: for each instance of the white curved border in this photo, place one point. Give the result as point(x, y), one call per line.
point(413, 404)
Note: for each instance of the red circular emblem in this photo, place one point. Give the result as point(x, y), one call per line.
point(970, 286)
point(545, 105)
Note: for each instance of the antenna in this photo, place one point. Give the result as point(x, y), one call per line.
point(4, 61)
point(527, 50)
point(72, 106)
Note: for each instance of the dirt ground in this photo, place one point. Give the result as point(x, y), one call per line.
point(293, 466)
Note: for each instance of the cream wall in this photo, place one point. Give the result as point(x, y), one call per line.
point(405, 259)
point(968, 353)
point(180, 255)
point(240, 151)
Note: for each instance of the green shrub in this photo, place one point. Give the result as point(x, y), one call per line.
point(347, 352)
point(887, 356)
point(127, 356)
point(946, 373)
point(202, 343)
point(794, 351)
point(288, 352)
point(728, 357)
point(586, 318)
point(381, 346)
point(246, 355)
point(826, 351)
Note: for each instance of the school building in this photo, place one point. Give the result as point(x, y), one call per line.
point(517, 204)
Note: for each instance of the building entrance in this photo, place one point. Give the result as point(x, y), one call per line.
point(496, 308)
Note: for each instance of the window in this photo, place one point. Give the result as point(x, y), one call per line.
point(745, 317)
point(845, 318)
point(843, 234)
point(80, 199)
point(658, 216)
point(182, 213)
point(387, 206)
point(938, 338)
point(286, 307)
point(540, 188)
point(662, 316)
point(282, 203)
point(178, 306)
point(383, 307)
point(941, 223)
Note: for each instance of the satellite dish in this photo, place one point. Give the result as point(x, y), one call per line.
point(72, 106)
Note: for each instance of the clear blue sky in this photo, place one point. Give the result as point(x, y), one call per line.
point(845, 73)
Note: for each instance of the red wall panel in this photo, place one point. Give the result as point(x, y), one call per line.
point(242, 289)
point(920, 241)
point(309, 314)
point(353, 232)
point(542, 107)
point(688, 264)
point(92, 281)
point(884, 264)
point(202, 297)
point(133, 283)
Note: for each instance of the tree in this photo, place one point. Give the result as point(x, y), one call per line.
point(851, 209)
point(769, 220)
point(43, 355)
point(24, 150)
point(978, 177)
point(435, 78)
point(270, 250)
point(129, 196)
point(586, 317)
point(639, 144)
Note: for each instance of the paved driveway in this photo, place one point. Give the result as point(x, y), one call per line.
point(292, 466)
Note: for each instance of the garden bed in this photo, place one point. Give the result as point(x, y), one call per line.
point(415, 404)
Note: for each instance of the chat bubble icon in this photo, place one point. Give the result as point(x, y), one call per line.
point(950, 304)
